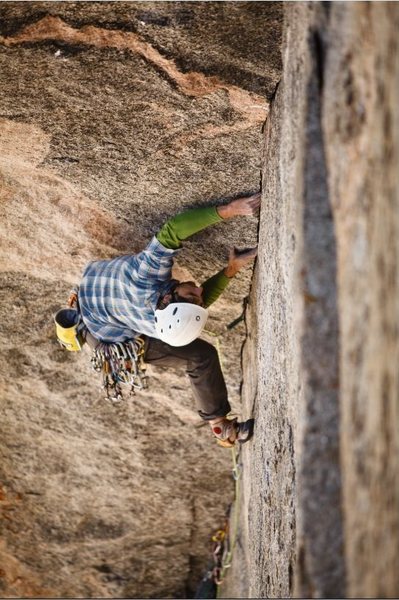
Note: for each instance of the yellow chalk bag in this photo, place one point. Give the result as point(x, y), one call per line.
point(66, 326)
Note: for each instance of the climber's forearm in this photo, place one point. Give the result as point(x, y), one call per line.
point(214, 287)
point(231, 270)
point(185, 224)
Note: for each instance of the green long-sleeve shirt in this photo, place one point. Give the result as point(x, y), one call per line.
point(184, 225)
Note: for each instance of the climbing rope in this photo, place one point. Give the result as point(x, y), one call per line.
point(224, 540)
point(228, 328)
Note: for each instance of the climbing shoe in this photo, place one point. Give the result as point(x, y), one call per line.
point(229, 431)
point(245, 431)
point(225, 443)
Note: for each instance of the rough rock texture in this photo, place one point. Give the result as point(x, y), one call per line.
point(363, 159)
point(115, 116)
point(320, 506)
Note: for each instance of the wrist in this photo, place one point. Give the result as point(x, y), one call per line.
point(224, 211)
point(230, 271)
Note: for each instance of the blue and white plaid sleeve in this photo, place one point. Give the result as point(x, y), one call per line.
point(155, 262)
point(118, 297)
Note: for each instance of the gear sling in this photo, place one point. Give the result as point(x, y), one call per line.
point(119, 363)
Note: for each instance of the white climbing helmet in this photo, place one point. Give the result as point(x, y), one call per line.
point(180, 323)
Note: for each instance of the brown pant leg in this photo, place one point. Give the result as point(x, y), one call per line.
point(203, 369)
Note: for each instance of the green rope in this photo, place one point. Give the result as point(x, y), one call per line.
point(234, 529)
point(227, 560)
point(217, 345)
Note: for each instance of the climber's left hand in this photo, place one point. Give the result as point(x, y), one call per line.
point(239, 259)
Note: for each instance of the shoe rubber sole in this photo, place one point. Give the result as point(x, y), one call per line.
point(245, 431)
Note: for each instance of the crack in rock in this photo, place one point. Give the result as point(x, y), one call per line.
point(253, 108)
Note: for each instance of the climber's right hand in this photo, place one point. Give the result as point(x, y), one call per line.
point(241, 207)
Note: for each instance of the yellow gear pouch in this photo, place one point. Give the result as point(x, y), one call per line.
point(66, 326)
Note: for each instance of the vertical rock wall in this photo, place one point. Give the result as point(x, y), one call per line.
point(114, 117)
point(320, 506)
point(133, 111)
point(361, 125)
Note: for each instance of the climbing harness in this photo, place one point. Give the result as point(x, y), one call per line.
point(121, 364)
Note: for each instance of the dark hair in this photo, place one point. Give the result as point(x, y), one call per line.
point(175, 297)
point(162, 303)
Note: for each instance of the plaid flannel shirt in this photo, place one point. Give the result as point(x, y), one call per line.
point(118, 297)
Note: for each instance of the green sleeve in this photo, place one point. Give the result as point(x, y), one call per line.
point(185, 224)
point(214, 286)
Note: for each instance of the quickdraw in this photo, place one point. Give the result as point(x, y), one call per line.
point(220, 551)
point(224, 540)
point(121, 364)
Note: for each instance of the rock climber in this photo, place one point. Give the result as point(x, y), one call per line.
point(135, 295)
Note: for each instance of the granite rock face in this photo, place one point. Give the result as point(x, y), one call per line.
point(114, 117)
point(320, 500)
